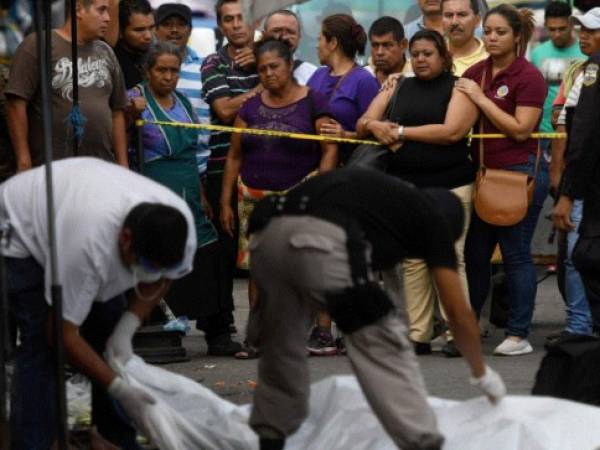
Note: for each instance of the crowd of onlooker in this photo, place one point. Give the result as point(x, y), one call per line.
point(456, 68)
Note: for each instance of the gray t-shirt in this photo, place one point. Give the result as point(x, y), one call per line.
point(101, 90)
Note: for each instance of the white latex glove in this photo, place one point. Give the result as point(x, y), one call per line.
point(491, 384)
point(134, 400)
point(119, 348)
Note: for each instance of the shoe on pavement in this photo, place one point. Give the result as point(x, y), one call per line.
point(223, 345)
point(512, 347)
point(450, 350)
point(321, 343)
point(421, 348)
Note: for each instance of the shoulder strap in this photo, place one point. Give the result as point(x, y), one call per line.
point(481, 115)
point(391, 106)
point(481, 164)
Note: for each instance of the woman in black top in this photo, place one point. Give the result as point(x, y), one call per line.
point(426, 128)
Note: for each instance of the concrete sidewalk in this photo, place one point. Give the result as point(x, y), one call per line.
point(446, 378)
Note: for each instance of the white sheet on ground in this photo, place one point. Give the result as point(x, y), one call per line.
point(189, 416)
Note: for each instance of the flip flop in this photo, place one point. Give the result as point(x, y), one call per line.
point(247, 352)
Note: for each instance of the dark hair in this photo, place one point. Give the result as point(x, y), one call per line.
point(219, 4)
point(385, 25)
point(270, 43)
point(160, 48)
point(438, 41)
point(127, 8)
point(558, 9)
point(521, 22)
point(158, 233)
point(350, 35)
point(283, 12)
point(474, 4)
point(85, 3)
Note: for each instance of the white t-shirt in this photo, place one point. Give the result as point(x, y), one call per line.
point(303, 72)
point(92, 198)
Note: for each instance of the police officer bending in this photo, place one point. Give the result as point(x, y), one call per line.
point(318, 246)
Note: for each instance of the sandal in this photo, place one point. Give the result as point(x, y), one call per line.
point(247, 352)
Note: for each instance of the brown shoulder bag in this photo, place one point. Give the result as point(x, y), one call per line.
point(502, 197)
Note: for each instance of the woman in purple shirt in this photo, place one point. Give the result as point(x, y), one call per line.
point(348, 87)
point(263, 165)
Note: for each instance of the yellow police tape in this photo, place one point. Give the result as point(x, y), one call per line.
point(314, 137)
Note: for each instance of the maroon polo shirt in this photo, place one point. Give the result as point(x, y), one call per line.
point(521, 84)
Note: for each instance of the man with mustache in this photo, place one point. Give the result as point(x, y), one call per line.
point(388, 47)
point(461, 19)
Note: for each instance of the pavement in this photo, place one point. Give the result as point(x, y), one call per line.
point(235, 380)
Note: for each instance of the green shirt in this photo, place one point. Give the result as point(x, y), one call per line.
point(553, 62)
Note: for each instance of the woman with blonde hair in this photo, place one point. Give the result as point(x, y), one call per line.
point(509, 92)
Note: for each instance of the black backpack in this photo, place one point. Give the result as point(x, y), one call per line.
point(571, 370)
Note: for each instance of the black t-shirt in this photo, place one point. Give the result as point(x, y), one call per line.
point(423, 102)
point(397, 219)
point(131, 64)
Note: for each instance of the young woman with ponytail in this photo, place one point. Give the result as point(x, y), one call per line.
point(510, 99)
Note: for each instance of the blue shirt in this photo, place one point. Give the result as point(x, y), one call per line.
point(190, 84)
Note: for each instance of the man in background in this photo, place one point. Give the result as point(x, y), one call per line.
point(388, 47)
point(285, 24)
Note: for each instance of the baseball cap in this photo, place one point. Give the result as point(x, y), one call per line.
point(590, 20)
point(174, 9)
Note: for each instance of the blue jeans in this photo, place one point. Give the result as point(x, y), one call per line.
point(33, 417)
point(515, 245)
point(579, 317)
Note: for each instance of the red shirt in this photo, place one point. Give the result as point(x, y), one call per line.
point(521, 84)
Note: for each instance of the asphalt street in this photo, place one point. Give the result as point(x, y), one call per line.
point(446, 378)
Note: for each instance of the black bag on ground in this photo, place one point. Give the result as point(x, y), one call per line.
point(571, 370)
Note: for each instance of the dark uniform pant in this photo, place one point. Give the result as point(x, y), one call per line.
point(295, 260)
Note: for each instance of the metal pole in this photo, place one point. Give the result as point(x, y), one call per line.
point(44, 46)
point(4, 345)
point(75, 63)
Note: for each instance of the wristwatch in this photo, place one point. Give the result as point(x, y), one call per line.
point(401, 132)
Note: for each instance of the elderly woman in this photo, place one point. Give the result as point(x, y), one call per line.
point(170, 159)
point(510, 93)
point(429, 119)
point(262, 165)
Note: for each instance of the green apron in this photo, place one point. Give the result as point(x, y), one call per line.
point(178, 171)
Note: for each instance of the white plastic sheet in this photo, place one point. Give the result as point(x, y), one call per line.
point(190, 416)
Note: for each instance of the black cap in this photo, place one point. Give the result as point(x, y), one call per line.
point(450, 207)
point(173, 9)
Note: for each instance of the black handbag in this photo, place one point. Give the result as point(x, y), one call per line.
point(369, 156)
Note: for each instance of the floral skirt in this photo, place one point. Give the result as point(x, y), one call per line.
point(247, 198)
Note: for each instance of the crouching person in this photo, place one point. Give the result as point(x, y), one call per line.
point(318, 246)
point(116, 232)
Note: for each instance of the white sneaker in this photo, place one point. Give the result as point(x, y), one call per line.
point(511, 347)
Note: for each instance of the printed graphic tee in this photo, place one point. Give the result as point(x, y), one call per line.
point(553, 62)
point(101, 90)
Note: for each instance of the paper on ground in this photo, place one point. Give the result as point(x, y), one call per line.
point(189, 416)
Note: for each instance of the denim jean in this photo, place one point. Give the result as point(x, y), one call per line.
point(33, 417)
point(579, 317)
point(515, 245)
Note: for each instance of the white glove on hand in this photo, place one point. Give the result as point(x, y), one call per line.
point(491, 384)
point(119, 348)
point(134, 400)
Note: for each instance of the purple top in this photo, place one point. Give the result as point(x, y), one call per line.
point(352, 96)
point(276, 164)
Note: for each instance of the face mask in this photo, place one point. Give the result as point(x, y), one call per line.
point(143, 272)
